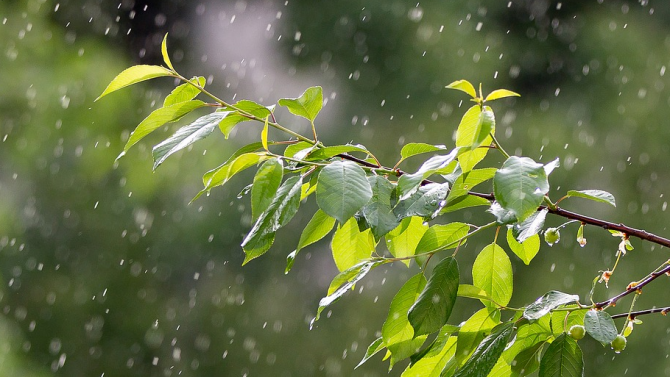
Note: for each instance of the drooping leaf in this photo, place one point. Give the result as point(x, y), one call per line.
point(595, 195)
point(134, 75)
point(237, 115)
point(492, 272)
point(528, 335)
point(374, 347)
point(184, 92)
point(266, 182)
point(473, 331)
point(281, 210)
point(397, 332)
point(408, 183)
point(402, 240)
point(600, 326)
point(466, 202)
point(342, 190)
point(185, 136)
point(433, 308)
point(464, 86)
point(317, 228)
point(328, 152)
point(342, 283)
point(440, 237)
point(501, 93)
point(549, 301)
point(487, 353)
point(412, 149)
point(307, 105)
point(470, 291)
point(264, 134)
point(562, 359)
point(158, 118)
point(222, 174)
point(166, 57)
point(531, 226)
point(527, 250)
point(520, 185)
point(427, 201)
point(378, 212)
point(350, 245)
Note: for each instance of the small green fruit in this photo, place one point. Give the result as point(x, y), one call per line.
point(577, 332)
point(552, 236)
point(619, 343)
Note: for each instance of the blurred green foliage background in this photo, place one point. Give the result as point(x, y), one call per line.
point(106, 269)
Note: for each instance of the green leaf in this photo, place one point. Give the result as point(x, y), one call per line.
point(342, 190)
point(549, 301)
point(134, 75)
point(470, 291)
point(530, 226)
point(600, 326)
point(185, 136)
point(374, 347)
point(596, 195)
point(473, 331)
point(236, 116)
point(427, 201)
point(282, 209)
point(402, 240)
point(166, 57)
point(408, 183)
point(264, 134)
point(307, 105)
point(492, 272)
point(475, 127)
point(378, 212)
point(467, 202)
point(562, 359)
point(500, 93)
point(433, 308)
point(266, 182)
point(520, 185)
point(466, 182)
point(350, 245)
point(328, 152)
point(184, 92)
point(413, 149)
point(222, 174)
point(469, 159)
point(293, 149)
point(397, 332)
point(464, 86)
point(487, 353)
point(342, 283)
point(158, 118)
point(441, 237)
point(436, 360)
point(317, 228)
point(528, 360)
point(527, 250)
point(528, 335)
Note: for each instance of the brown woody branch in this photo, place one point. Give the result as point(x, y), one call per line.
point(633, 315)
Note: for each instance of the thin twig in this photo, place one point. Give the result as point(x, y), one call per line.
point(633, 315)
point(633, 288)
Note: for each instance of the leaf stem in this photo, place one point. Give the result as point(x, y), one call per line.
point(498, 146)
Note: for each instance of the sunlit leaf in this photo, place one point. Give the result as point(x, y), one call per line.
point(158, 118)
point(281, 210)
point(222, 174)
point(374, 347)
point(488, 352)
point(440, 237)
point(164, 51)
point(528, 360)
point(307, 105)
point(595, 195)
point(501, 93)
point(470, 291)
point(600, 326)
point(185, 92)
point(464, 86)
point(520, 185)
point(350, 245)
point(528, 335)
point(549, 301)
point(397, 332)
point(433, 308)
point(317, 228)
point(237, 115)
point(412, 149)
point(402, 240)
point(264, 134)
point(473, 331)
point(466, 182)
point(266, 182)
point(492, 272)
point(328, 152)
point(475, 127)
point(563, 358)
point(342, 190)
point(185, 136)
point(527, 250)
point(134, 75)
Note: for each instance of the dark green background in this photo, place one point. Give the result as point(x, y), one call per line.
point(106, 269)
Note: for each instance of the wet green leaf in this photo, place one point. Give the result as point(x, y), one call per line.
point(595, 195)
point(378, 212)
point(473, 331)
point(409, 183)
point(266, 182)
point(433, 308)
point(427, 201)
point(600, 326)
point(342, 190)
point(520, 185)
point(487, 353)
point(562, 359)
point(549, 301)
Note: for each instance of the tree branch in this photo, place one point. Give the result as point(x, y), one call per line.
point(635, 314)
point(633, 288)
